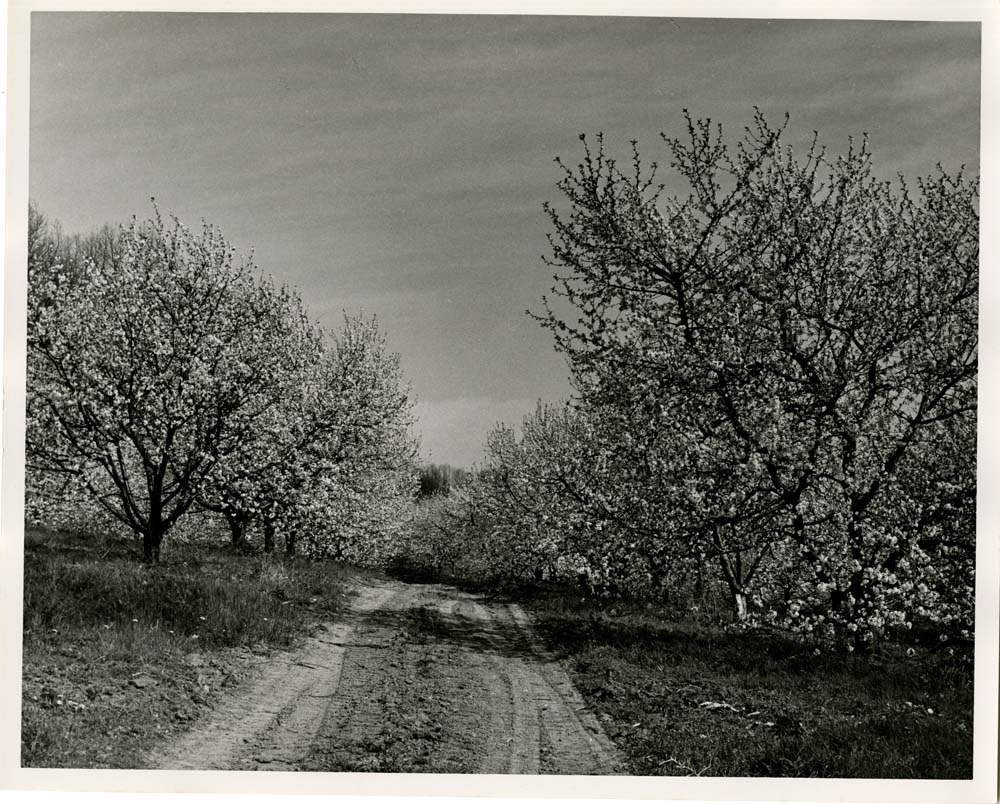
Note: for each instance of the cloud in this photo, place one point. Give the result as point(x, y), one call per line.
point(454, 430)
point(397, 164)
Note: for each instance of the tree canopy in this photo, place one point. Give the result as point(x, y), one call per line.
point(164, 375)
point(775, 374)
point(788, 337)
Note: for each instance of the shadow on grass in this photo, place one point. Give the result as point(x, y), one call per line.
point(225, 598)
point(690, 697)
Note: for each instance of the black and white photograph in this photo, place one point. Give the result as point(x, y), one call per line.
point(590, 394)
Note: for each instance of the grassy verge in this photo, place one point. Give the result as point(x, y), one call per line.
point(681, 697)
point(119, 655)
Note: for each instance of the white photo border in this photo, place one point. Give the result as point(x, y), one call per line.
point(981, 788)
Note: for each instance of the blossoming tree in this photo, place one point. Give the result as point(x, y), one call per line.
point(347, 466)
point(795, 323)
point(148, 370)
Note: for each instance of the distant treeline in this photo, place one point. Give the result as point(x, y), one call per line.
point(440, 478)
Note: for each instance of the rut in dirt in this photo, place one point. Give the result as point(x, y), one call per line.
point(416, 678)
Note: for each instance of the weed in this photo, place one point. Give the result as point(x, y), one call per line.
point(688, 697)
point(108, 642)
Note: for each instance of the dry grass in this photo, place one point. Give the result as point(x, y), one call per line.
point(685, 697)
point(118, 655)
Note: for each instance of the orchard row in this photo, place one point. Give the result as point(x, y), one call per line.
point(775, 376)
point(165, 378)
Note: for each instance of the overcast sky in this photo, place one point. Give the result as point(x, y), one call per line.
point(398, 164)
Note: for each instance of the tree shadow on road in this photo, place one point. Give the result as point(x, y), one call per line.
point(446, 616)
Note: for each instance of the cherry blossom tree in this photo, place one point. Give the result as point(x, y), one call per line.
point(578, 495)
point(353, 449)
point(149, 369)
point(247, 487)
point(801, 330)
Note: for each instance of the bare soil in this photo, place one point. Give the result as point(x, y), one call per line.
point(415, 678)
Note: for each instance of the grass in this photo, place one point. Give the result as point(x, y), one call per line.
point(119, 655)
point(686, 697)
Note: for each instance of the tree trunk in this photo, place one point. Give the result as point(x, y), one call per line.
point(735, 584)
point(237, 527)
point(852, 603)
point(268, 536)
point(740, 605)
point(658, 581)
point(151, 540)
point(155, 527)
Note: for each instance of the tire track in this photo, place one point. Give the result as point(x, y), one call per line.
point(541, 698)
point(276, 714)
point(570, 723)
point(418, 678)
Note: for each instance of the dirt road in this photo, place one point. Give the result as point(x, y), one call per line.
point(416, 678)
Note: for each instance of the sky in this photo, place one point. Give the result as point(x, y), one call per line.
point(397, 165)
